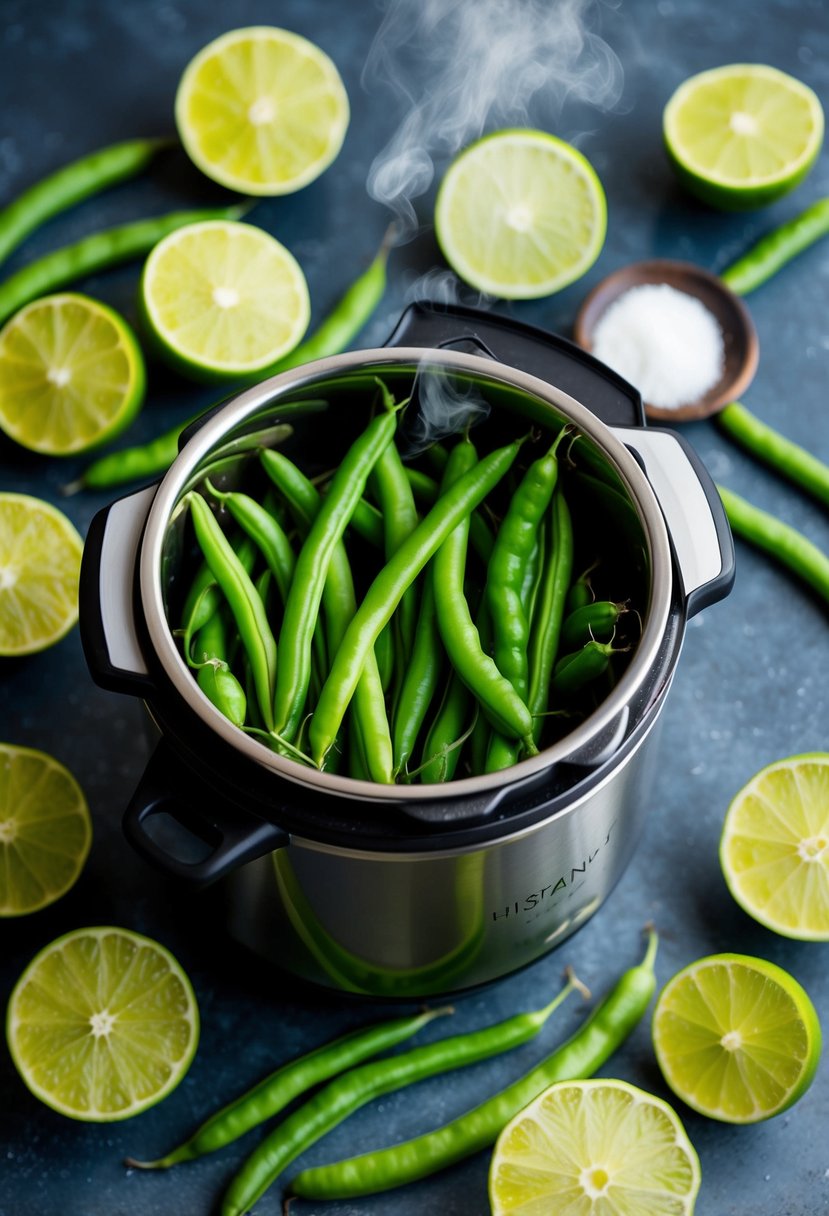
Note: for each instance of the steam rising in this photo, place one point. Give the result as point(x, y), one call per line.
point(460, 67)
point(446, 405)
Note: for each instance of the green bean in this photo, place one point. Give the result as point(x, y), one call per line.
point(546, 627)
point(334, 334)
point(573, 671)
point(441, 751)
point(386, 590)
point(783, 542)
point(788, 458)
point(97, 252)
point(426, 490)
point(301, 609)
point(420, 679)
point(219, 685)
point(71, 184)
point(205, 596)
point(243, 599)
point(354, 1089)
point(775, 249)
point(597, 620)
point(280, 1088)
point(339, 605)
point(399, 513)
point(580, 1056)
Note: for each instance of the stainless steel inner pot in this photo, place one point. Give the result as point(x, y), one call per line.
point(404, 890)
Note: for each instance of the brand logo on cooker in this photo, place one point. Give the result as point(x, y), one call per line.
point(564, 882)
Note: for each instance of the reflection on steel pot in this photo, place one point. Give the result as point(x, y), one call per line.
point(409, 890)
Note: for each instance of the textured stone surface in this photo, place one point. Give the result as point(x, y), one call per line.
point(751, 686)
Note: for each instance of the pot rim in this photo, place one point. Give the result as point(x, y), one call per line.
point(309, 375)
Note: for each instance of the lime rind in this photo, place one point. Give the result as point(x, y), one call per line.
point(58, 1032)
point(45, 830)
point(192, 272)
point(737, 1038)
point(598, 1146)
point(554, 235)
point(774, 847)
point(72, 375)
point(39, 588)
point(697, 145)
point(220, 76)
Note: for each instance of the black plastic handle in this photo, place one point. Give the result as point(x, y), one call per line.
point(232, 834)
point(528, 348)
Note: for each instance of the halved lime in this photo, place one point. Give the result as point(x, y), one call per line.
point(594, 1148)
point(736, 1037)
point(71, 374)
point(262, 110)
point(774, 849)
point(102, 1024)
point(520, 214)
point(40, 562)
point(223, 299)
point(740, 136)
point(45, 830)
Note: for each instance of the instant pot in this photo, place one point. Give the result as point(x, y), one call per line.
point(409, 890)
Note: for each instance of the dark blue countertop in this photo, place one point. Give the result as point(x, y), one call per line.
point(751, 685)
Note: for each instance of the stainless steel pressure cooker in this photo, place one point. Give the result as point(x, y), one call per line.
point(408, 890)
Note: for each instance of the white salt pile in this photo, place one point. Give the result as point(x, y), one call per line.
point(664, 342)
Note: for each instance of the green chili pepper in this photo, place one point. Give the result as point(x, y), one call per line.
point(71, 184)
point(354, 1089)
point(597, 620)
point(546, 627)
point(783, 455)
point(279, 1089)
point(773, 251)
point(581, 591)
point(385, 593)
point(97, 252)
point(244, 601)
point(770, 254)
point(784, 543)
point(580, 1056)
point(302, 606)
point(573, 671)
point(399, 514)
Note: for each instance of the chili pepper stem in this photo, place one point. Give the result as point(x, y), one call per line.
point(653, 942)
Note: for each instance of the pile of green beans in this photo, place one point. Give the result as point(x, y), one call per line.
point(354, 1077)
point(387, 648)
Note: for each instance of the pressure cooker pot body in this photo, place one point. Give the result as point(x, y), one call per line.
point(407, 890)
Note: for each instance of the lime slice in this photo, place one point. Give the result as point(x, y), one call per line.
point(594, 1147)
point(223, 299)
point(262, 110)
point(737, 1038)
point(102, 1024)
point(71, 375)
point(774, 849)
point(520, 214)
point(45, 830)
point(742, 135)
point(40, 561)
